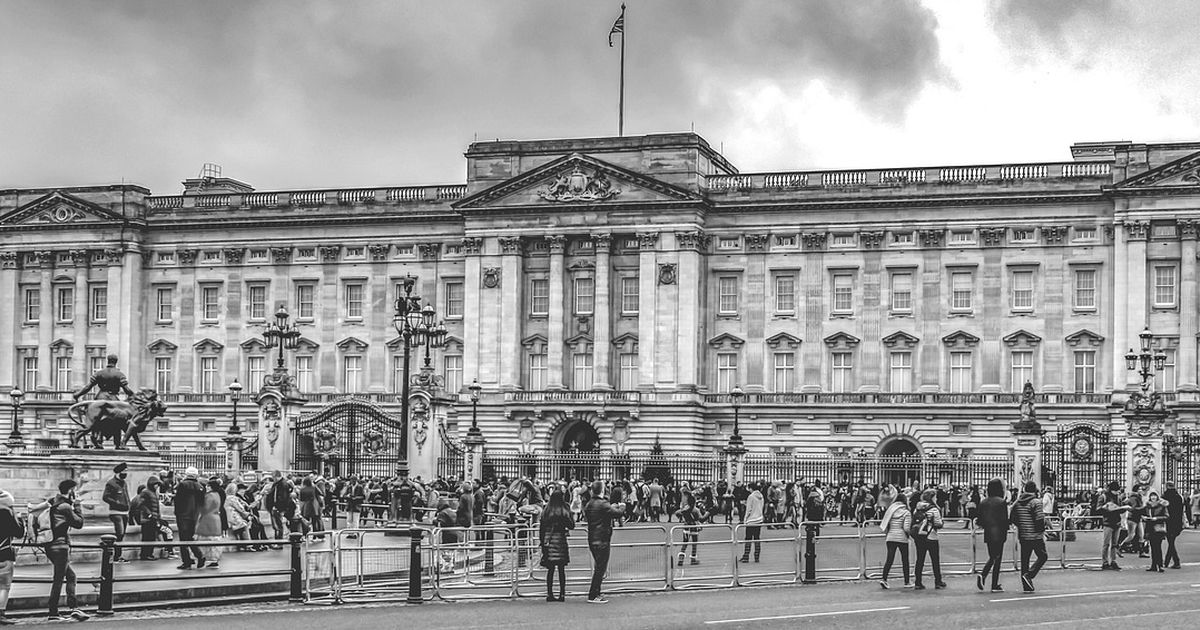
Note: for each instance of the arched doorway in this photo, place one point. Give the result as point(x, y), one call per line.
point(577, 451)
point(900, 462)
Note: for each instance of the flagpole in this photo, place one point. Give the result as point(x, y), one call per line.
point(621, 105)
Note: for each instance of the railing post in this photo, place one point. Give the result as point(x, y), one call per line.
point(296, 593)
point(104, 604)
point(489, 552)
point(810, 553)
point(414, 567)
point(333, 516)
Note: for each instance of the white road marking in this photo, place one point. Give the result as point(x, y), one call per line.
point(1076, 621)
point(1059, 596)
point(819, 614)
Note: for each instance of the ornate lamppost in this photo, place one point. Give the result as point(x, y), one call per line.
point(1146, 363)
point(233, 439)
point(474, 440)
point(15, 442)
point(1145, 414)
point(282, 335)
point(277, 397)
point(434, 337)
point(736, 447)
point(235, 394)
point(416, 327)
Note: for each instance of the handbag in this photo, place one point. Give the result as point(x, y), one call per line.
point(1160, 528)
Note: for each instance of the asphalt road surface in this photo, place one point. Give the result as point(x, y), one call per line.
point(1131, 598)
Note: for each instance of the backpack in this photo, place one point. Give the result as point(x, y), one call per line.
point(135, 510)
point(921, 524)
point(40, 530)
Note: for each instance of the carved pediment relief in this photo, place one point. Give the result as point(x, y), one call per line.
point(842, 340)
point(59, 208)
point(960, 339)
point(900, 339)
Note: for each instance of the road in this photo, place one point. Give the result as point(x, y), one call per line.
point(1065, 599)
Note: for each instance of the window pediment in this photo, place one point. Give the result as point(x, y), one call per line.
point(783, 340)
point(1084, 337)
point(351, 344)
point(842, 340)
point(307, 345)
point(900, 339)
point(161, 346)
point(207, 346)
point(960, 339)
point(627, 343)
point(254, 345)
point(726, 341)
point(535, 344)
point(1021, 339)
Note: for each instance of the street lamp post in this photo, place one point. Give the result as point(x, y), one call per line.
point(283, 335)
point(416, 326)
point(475, 389)
point(15, 442)
point(235, 394)
point(736, 448)
point(474, 440)
point(1146, 363)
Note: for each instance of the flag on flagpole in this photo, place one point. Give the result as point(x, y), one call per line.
point(618, 27)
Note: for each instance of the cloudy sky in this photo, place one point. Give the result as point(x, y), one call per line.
point(295, 94)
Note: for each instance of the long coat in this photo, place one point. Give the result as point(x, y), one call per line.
point(210, 516)
point(553, 538)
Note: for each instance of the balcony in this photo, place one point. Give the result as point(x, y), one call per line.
point(572, 396)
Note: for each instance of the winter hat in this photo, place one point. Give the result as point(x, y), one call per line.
point(153, 481)
point(6, 499)
point(191, 472)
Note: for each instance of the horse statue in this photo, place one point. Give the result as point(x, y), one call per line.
point(115, 419)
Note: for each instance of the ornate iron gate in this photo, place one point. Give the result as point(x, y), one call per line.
point(1181, 460)
point(350, 436)
point(1082, 457)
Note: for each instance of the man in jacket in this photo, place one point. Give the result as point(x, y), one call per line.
point(1175, 511)
point(150, 515)
point(1031, 525)
point(64, 516)
point(600, 514)
point(116, 495)
point(754, 521)
point(992, 518)
point(189, 497)
point(1111, 509)
point(279, 503)
point(10, 529)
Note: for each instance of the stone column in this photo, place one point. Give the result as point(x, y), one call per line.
point(602, 334)
point(512, 289)
point(46, 319)
point(11, 316)
point(472, 247)
point(1120, 302)
point(130, 311)
point(83, 316)
point(691, 279)
point(112, 343)
point(1188, 328)
point(233, 452)
point(1135, 302)
point(647, 307)
point(555, 348)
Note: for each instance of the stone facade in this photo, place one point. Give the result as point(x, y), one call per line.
point(613, 290)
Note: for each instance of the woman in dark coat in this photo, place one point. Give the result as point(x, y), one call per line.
point(1175, 516)
point(556, 526)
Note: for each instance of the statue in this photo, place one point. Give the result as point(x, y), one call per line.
point(109, 380)
point(116, 419)
point(1028, 422)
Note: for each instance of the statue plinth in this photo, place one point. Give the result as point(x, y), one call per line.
point(277, 406)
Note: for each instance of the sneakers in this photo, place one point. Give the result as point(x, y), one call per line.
point(58, 617)
point(184, 567)
point(598, 600)
point(200, 563)
point(120, 560)
point(1027, 583)
point(997, 589)
point(979, 581)
point(883, 585)
point(215, 565)
point(919, 587)
point(939, 585)
point(1114, 567)
point(695, 561)
point(79, 615)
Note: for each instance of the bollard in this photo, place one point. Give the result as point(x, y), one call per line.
point(810, 554)
point(333, 517)
point(104, 604)
point(296, 593)
point(414, 567)
point(489, 552)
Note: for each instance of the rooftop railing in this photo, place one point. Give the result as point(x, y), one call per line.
point(891, 178)
point(311, 198)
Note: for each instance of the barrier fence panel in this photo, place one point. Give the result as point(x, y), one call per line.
point(638, 559)
point(475, 563)
point(320, 576)
point(1082, 538)
point(703, 556)
point(874, 551)
point(578, 571)
point(957, 547)
point(373, 564)
point(838, 548)
point(779, 560)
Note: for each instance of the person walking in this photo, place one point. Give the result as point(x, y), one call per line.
point(212, 522)
point(10, 529)
point(150, 516)
point(754, 522)
point(1154, 519)
point(553, 531)
point(278, 502)
point(600, 514)
point(927, 543)
point(1112, 511)
point(116, 495)
point(237, 516)
point(992, 518)
point(1175, 517)
point(691, 516)
point(1031, 533)
point(189, 497)
point(897, 520)
point(310, 505)
point(65, 515)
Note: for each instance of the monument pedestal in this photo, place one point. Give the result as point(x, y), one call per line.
point(33, 478)
point(277, 409)
point(473, 457)
point(734, 452)
point(1144, 439)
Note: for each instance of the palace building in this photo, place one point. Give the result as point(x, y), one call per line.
point(608, 293)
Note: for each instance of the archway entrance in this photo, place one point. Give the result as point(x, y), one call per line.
point(577, 451)
point(900, 462)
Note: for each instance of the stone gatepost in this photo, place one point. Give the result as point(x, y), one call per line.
point(473, 452)
point(734, 452)
point(277, 407)
point(1027, 442)
point(423, 437)
point(233, 452)
point(1144, 441)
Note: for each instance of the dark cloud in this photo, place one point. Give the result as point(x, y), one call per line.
point(1057, 24)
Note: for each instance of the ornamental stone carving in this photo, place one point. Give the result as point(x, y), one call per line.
point(814, 240)
point(379, 251)
point(234, 255)
point(579, 185)
point(1187, 228)
point(429, 251)
point(330, 253)
point(472, 245)
point(491, 277)
point(931, 238)
point(281, 254)
point(8, 260)
point(1136, 230)
point(991, 237)
point(602, 243)
point(1054, 234)
point(558, 243)
point(667, 273)
point(871, 239)
point(81, 256)
point(757, 242)
point(690, 240)
point(112, 256)
point(1145, 466)
point(647, 240)
point(511, 245)
point(43, 258)
point(187, 256)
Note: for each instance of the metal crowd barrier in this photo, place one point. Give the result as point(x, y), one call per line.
point(774, 558)
point(715, 555)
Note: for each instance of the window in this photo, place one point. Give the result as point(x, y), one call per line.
point(960, 291)
point(1085, 288)
point(1022, 290)
point(97, 363)
point(1085, 371)
point(902, 285)
point(582, 378)
point(1022, 234)
point(304, 373)
point(100, 304)
point(306, 253)
point(62, 373)
point(629, 295)
point(785, 241)
point(208, 425)
point(962, 237)
point(785, 371)
point(258, 301)
point(258, 255)
point(1164, 379)
point(536, 379)
point(166, 258)
point(628, 379)
point(727, 372)
point(208, 375)
point(842, 240)
point(900, 373)
point(785, 293)
point(212, 256)
point(351, 373)
point(454, 299)
point(782, 428)
point(209, 306)
point(843, 368)
point(1163, 230)
point(30, 365)
point(539, 297)
point(164, 304)
point(1164, 285)
point(585, 292)
point(304, 300)
point(960, 372)
point(453, 373)
point(902, 238)
point(1085, 233)
point(843, 293)
point(1022, 369)
point(256, 371)
point(354, 252)
point(404, 250)
point(960, 428)
point(33, 305)
point(65, 303)
point(163, 377)
point(841, 428)
point(727, 242)
point(727, 295)
point(354, 300)
point(398, 373)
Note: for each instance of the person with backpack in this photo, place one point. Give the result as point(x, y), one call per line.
point(897, 521)
point(1031, 527)
point(64, 515)
point(926, 521)
point(553, 532)
point(992, 518)
point(279, 503)
point(10, 529)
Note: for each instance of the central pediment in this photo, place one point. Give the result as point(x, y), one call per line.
point(1181, 173)
point(60, 209)
point(576, 180)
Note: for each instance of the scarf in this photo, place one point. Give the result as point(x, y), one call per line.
point(887, 516)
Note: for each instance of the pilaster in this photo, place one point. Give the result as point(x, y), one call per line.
point(1187, 307)
point(46, 320)
point(647, 307)
point(691, 277)
point(602, 333)
point(1120, 306)
point(10, 319)
point(83, 317)
point(1135, 304)
point(558, 311)
point(511, 286)
point(471, 286)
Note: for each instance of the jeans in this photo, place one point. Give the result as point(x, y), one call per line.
point(278, 531)
point(1156, 555)
point(1172, 558)
point(149, 535)
point(925, 546)
point(892, 548)
point(753, 533)
point(1108, 548)
point(692, 537)
point(120, 524)
point(187, 532)
point(60, 556)
point(600, 554)
point(995, 552)
point(561, 569)
point(1037, 548)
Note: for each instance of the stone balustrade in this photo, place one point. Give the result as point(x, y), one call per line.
point(949, 175)
point(310, 198)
